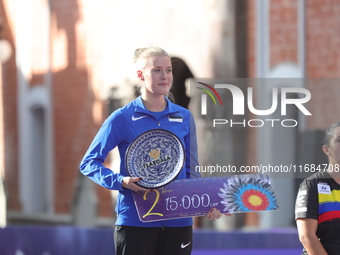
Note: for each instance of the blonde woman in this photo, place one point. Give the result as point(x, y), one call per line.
point(151, 110)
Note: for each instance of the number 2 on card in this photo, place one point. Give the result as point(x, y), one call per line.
point(153, 205)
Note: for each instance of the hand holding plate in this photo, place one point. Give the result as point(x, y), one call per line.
point(130, 183)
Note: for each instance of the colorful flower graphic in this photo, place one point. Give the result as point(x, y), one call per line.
point(245, 194)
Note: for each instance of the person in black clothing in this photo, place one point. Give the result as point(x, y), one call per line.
point(317, 209)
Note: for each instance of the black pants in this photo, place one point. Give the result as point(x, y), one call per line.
point(153, 241)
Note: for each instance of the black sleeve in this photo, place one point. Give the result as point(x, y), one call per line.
point(307, 204)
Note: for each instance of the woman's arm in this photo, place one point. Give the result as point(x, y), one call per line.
point(106, 139)
point(307, 235)
point(191, 151)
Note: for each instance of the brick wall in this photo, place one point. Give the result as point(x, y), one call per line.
point(323, 60)
point(283, 31)
point(323, 38)
point(76, 109)
point(10, 122)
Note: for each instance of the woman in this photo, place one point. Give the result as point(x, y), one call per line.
point(317, 209)
point(151, 110)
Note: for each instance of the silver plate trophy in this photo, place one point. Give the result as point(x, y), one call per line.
point(157, 156)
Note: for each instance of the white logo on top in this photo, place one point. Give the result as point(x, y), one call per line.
point(138, 118)
point(185, 245)
point(324, 188)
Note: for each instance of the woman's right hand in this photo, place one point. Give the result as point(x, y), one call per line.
point(130, 183)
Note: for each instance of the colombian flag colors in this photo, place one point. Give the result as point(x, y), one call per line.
point(329, 207)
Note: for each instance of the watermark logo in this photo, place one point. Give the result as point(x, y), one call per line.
point(279, 98)
point(204, 97)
